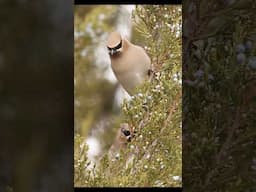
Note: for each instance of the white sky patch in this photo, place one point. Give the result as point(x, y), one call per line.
point(175, 78)
point(120, 95)
point(176, 178)
point(78, 34)
point(109, 75)
point(94, 150)
point(84, 52)
point(88, 29)
point(94, 147)
point(124, 22)
point(101, 16)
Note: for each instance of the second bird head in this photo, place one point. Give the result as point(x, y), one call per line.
point(114, 43)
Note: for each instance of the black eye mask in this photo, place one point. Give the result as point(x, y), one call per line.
point(116, 47)
point(126, 132)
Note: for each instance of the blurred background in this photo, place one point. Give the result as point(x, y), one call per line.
point(36, 96)
point(97, 94)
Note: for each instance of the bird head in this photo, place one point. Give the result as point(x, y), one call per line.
point(114, 43)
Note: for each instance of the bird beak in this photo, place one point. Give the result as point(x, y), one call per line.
point(111, 52)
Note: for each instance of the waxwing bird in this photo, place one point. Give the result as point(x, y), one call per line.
point(130, 63)
point(123, 137)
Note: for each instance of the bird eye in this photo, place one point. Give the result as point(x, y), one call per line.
point(116, 47)
point(119, 45)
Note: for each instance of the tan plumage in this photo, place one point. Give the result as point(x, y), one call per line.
point(130, 63)
point(123, 136)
